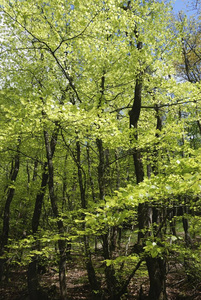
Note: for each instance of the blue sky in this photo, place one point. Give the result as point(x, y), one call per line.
point(182, 5)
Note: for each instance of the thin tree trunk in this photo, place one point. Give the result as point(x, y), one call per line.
point(101, 167)
point(90, 174)
point(185, 222)
point(143, 209)
point(117, 170)
point(111, 280)
point(53, 199)
point(95, 286)
point(32, 276)
point(66, 198)
point(10, 191)
point(39, 200)
point(64, 185)
point(109, 270)
point(91, 185)
point(155, 266)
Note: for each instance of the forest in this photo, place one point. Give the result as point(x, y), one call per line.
point(100, 150)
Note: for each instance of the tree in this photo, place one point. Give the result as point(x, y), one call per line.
point(103, 125)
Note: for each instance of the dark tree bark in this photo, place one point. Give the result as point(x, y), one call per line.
point(32, 280)
point(137, 157)
point(118, 179)
point(53, 198)
point(157, 276)
point(185, 222)
point(10, 191)
point(95, 285)
point(32, 274)
point(101, 169)
point(39, 200)
point(156, 269)
point(109, 270)
point(157, 266)
point(90, 174)
point(111, 281)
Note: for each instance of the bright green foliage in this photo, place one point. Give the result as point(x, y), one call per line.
point(73, 66)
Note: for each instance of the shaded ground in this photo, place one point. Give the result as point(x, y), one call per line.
point(178, 288)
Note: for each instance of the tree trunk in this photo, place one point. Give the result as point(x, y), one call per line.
point(90, 174)
point(32, 280)
point(155, 266)
point(157, 276)
point(32, 276)
point(109, 270)
point(61, 243)
point(101, 168)
point(10, 191)
point(95, 286)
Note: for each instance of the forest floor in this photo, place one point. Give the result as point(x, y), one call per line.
point(178, 287)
